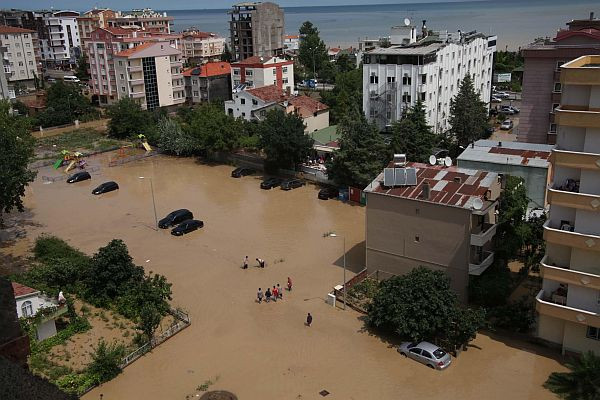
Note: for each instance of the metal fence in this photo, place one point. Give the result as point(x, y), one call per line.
point(136, 157)
point(64, 177)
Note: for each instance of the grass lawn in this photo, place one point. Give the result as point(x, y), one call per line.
point(85, 140)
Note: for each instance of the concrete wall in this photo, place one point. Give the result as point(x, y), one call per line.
point(46, 330)
point(319, 121)
point(550, 328)
point(575, 339)
point(163, 78)
point(268, 29)
point(583, 298)
point(585, 261)
point(392, 227)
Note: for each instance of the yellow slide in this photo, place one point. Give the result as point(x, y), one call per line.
point(146, 146)
point(71, 165)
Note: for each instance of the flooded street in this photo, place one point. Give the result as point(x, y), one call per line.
point(259, 350)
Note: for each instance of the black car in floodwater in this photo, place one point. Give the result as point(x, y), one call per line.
point(186, 227)
point(270, 183)
point(79, 176)
point(328, 193)
point(106, 187)
point(175, 217)
point(291, 184)
point(241, 171)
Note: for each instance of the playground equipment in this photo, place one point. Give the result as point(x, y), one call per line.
point(71, 159)
point(144, 142)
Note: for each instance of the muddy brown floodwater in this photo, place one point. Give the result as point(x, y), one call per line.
point(260, 351)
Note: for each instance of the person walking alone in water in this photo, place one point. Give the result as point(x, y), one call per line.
point(275, 293)
point(280, 291)
point(289, 284)
point(261, 262)
point(245, 264)
point(308, 319)
point(259, 295)
point(268, 295)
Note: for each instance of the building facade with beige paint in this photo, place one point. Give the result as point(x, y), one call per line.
point(444, 219)
point(568, 305)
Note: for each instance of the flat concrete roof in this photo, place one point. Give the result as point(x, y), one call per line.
point(408, 50)
point(508, 153)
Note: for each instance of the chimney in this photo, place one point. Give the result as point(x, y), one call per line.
point(591, 16)
point(499, 144)
point(424, 29)
point(425, 190)
point(457, 179)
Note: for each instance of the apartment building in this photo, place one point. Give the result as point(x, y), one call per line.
point(145, 19)
point(34, 20)
point(150, 73)
point(255, 72)
point(101, 48)
point(20, 57)
point(431, 70)
point(541, 77)
point(434, 216)
point(569, 302)
point(257, 29)
point(253, 104)
point(63, 45)
point(5, 93)
point(291, 43)
point(201, 47)
point(208, 82)
point(92, 20)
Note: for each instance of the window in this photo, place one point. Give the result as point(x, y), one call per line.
point(250, 83)
point(424, 79)
point(27, 309)
point(123, 76)
point(236, 71)
point(243, 114)
point(554, 106)
point(195, 93)
point(417, 238)
point(100, 45)
point(552, 128)
point(248, 72)
point(558, 64)
point(120, 63)
point(391, 79)
point(592, 333)
point(242, 101)
point(406, 97)
point(415, 351)
point(254, 102)
point(285, 80)
point(406, 80)
point(557, 87)
point(423, 96)
point(425, 353)
point(284, 70)
point(374, 78)
point(122, 88)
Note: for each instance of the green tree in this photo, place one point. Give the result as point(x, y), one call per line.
point(312, 52)
point(283, 140)
point(82, 67)
point(344, 64)
point(362, 153)
point(149, 320)
point(226, 56)
point(412, 136)
point(468, 114)
point(212, 130)
point(346, 96)
point(64, 104)
point(106, 361)
point(512, 228)
point(464, 326)
point(152, 291)
point(172, 138)
point(127, 119)
point(16, 151)
point(581, 383)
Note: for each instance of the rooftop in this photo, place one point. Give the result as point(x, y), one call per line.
point(199, 35)
point(592, 61)
point(408, 50)
point(305, 106)
point(268, 93)
point(22, 290)
point(326, 136)
point(165, 49)
point(451, 186)
point(12, 29)
point(209, 69)
point(508, 153)
point(261, 60)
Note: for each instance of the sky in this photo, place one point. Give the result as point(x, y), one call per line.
point(179, 4)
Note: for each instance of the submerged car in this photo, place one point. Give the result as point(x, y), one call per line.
point(271, 183)
point(426, 353)
point(79, 176)
point(106, 187)
point(506, 125)
point(291, 184)
point(242, 171)
point(328, 193)
point(175, 217)
point(186, 227)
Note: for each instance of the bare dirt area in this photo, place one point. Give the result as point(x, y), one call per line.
point(261, 350)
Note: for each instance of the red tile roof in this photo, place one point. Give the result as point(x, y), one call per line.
point(526, 154)
point(452, 186)
point(209, 69)
point(269, 93)
point(115, 30)
point(306, 106)
point(292, 37)
point(22, 290)
point(13, 29)
point(132, 51)
point(200, 35)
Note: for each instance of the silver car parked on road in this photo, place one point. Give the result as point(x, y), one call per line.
point(426, 353)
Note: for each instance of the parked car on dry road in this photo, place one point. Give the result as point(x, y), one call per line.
point(506, 125)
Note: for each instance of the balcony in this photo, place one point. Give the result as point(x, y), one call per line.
point(137, 95)
point(584, 70)
point(135, 68)
point(548, 305)
point(575, 159)
point(477, 268)
point(580, 201)
point(567, 237)
point(137, 81)
point(581, 117)
point(483, 234)
point(549, 270)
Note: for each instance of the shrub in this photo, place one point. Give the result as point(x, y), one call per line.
point(518, 317)
point(106, 361)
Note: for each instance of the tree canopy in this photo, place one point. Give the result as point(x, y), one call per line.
point(581, 383)
point(346, 96)
point(312, 53)
point(127, 119)
point(362, 154)
point(512, 227)
point(64, 104)
point(468, 114)
point(412, 136)
point(16, 151)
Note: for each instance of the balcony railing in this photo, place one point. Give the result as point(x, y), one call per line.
point(581, 201)
point(568, 237)
point(550, 270)
point(477, 268)
point(545, 305)
point(576, 159)
point(136, 81)
point(581, 117)
point(134, 68)
point(137, 95)
point(484, 234)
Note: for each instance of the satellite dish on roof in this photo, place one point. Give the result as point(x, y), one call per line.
point(448, 162)
point(432, 160)
point(406, 21)
point(477, 203)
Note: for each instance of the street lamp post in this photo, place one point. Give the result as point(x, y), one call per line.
point(333, 235)
point(153, 201)
point(314, 62)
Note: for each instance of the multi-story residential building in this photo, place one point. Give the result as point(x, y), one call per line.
point(34, 20)
point(291, 43)
point(541, 77)
point(255, 72)
point(92, 20)
point(5, 93)
point(201, 47)
point(151, 74)
point(208, 82)
point(434, 216)
point(430, 70)
point(253, 104)
point(257, 29)
point(62, 45)
point(146, 19)
point(20, 58)
point(569, 302)
point(100, 49)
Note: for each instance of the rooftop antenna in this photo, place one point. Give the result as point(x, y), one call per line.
point(432, 160)
point(477, 203)
point(407, 21)
point(448, 161)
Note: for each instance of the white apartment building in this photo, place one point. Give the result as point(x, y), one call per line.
point(256, 72)
point(19, 51)
point(569, 302)
point(431, 70)
point(291, 42)
point(201, 47)
point(150, 73)
point(63, 45)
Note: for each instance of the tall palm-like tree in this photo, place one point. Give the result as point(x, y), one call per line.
point(582, 383)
